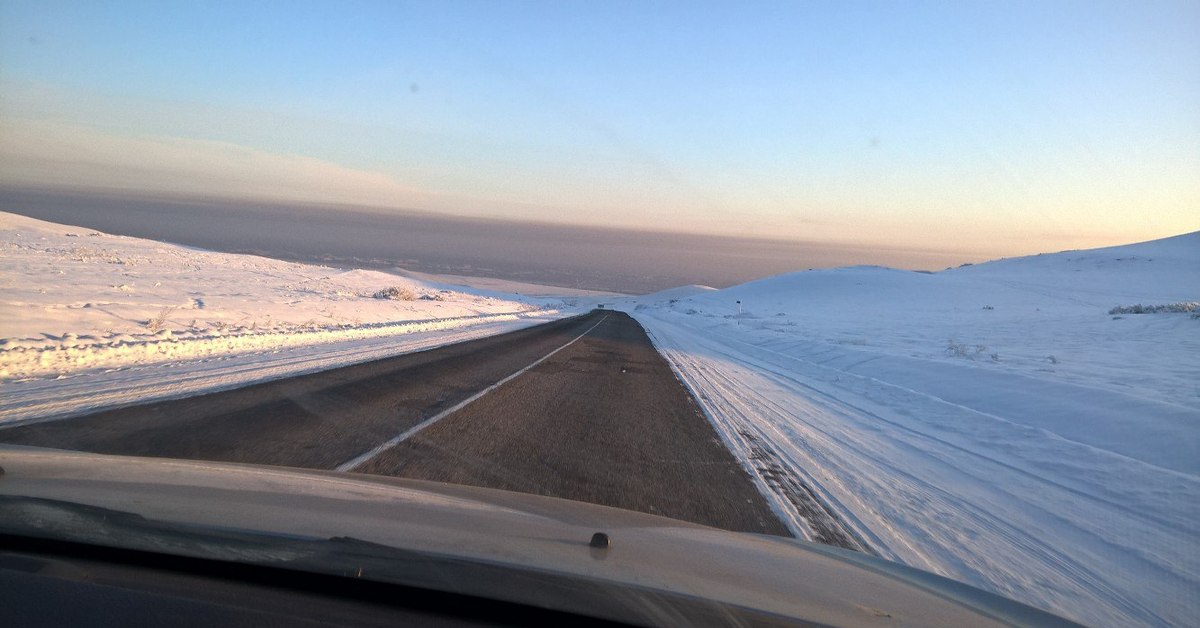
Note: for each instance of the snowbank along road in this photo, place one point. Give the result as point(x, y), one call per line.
point(582, 408)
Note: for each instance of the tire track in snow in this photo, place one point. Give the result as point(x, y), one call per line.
point(807, 514)
point(1029, 552)
point(824, 524)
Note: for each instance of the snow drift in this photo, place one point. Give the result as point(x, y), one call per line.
point(992, 423)
point(91, 320)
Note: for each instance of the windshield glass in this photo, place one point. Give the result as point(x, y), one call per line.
point(920, 281)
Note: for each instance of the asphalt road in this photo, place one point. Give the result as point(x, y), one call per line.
point(602, 420)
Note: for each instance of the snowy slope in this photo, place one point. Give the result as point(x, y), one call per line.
point(992, 423)
point(670, 294)
point(89, 320)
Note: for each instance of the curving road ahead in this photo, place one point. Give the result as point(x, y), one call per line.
point(582, 408)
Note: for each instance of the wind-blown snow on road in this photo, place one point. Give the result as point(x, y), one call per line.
point(995, 424)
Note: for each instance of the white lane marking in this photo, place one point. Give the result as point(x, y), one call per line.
point(403, 436)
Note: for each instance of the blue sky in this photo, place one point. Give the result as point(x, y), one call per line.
point(998, 127)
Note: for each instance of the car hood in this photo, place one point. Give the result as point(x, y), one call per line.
point(772, 576)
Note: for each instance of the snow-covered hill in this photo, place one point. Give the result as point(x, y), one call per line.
point(1012, 424)
point(674, 294)
point(994, 423)
point(89, 319)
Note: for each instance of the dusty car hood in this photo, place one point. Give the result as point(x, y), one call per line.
point(777, 577)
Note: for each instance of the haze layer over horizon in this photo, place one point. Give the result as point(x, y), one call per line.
point(617, 260)
point(989, 129)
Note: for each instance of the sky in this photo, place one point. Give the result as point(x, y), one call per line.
point(986, 128)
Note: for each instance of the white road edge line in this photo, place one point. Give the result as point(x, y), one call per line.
point(405, 435)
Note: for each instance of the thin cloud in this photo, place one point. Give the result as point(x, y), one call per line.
point(62, 155)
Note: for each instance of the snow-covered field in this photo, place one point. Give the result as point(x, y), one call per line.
point(91, 320)
point(992, 423)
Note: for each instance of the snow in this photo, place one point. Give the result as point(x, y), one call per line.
point(674, 294)
point(91, 320)
point(991, 423)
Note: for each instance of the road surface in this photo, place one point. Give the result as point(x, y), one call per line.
point(583, 408)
